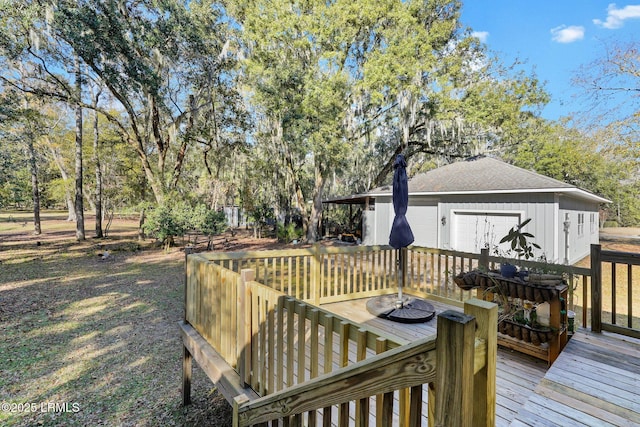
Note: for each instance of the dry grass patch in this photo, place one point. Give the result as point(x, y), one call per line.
point(99, 338)
point(625, 240)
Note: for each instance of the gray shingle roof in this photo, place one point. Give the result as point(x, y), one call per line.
point(482, 174)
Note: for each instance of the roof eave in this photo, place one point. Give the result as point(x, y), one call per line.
point(562, 190)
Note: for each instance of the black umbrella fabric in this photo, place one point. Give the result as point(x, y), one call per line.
point(401, 308)
point(401, 235)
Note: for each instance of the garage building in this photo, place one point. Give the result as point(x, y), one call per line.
point(472, 204)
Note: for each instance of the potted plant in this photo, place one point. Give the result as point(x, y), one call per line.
point(520, 244)
point(519, 240)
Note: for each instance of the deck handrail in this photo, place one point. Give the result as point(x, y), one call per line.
point(262, 334)
point(321, 274)
point(318, 274)
point(448, 359)
point(618, 260)
point(383, 373)
point(217, 294)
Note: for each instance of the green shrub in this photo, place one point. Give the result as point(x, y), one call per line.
point(610, 223)
point(167, 221)
point(164, 222)
point(288, 233)
point(208, 221)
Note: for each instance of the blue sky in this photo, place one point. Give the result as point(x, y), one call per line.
point(554, 38)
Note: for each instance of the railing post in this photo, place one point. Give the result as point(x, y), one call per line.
point(596, 288)
point(455, 351)
point(186, 356)
point(483, 261)
point(186, 376)
point(484, 382)
point(187, 252)
point(188, 284)
point(315, 276)
point(237, 402)
point(244, 325)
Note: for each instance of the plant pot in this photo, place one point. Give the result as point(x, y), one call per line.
point(528, 291)
point(526, 333)
point(502, 328)
point(517, 329)
point(508, 270)
point(513, 290)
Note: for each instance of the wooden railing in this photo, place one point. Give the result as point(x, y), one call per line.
point(460, 363)
point(320, 274)
point(430, 273)
point(361, 271)
point(578, 279)
point(292, 343)
point(617, 295)
point(273, 346)
point(211, 293)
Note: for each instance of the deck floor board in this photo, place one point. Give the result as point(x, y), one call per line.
point(595, 381)
point(517, 376)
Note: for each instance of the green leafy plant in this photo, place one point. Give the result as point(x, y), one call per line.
point(167, 221)
point(288, 233)
point(209, 222)
point(164, 223)
point(262, 214)
point(519, 240)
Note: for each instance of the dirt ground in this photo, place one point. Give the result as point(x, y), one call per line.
point(88, 330)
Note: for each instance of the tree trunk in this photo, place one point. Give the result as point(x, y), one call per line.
point(65, 178)
point(96, 157)
point(142, 218)
point(34, 186)
point(316, 208)
point(300, 204)
point(79, 206)
point(71, 209)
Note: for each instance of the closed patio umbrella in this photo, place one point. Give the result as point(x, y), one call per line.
point(403, 309)
point(401, 235)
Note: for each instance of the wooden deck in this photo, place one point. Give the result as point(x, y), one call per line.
point(594, 382)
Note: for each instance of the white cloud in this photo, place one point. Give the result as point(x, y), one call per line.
point(481, 35)
point(616, 17)
point(564, 34)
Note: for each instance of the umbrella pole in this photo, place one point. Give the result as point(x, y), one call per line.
point(402, 260)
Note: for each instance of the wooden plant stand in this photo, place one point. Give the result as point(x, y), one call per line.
point(536, 289)
point(550, 350)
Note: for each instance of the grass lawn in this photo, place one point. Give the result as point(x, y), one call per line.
point(86, 341)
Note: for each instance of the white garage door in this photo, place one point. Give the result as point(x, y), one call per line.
point(473, 231)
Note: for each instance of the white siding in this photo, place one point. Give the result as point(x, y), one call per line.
point(384, 219)
point(369, 228)
point(580, 235)
point(422, 215)
point(547, 212)
point(473, 231)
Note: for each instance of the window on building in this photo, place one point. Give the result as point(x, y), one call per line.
point(593, 223)
point(580, 224)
